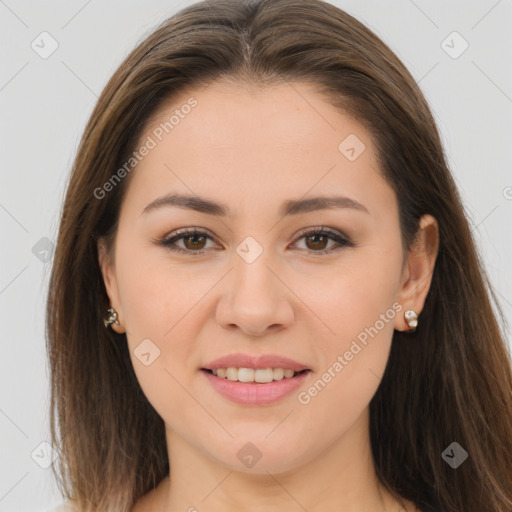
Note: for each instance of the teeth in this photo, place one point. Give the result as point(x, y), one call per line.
point(232, 373)
point(246, 374)
point(259, 375)
point(278, 374)
point(264, 375)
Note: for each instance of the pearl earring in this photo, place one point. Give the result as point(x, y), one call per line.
point(411, 318)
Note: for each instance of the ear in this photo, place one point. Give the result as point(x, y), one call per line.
point(110, 280)
point(418, 270)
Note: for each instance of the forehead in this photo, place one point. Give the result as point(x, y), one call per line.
point(240, 141)
point(248, 116)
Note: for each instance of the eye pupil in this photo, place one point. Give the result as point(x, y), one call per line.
point(316, 236)
point(188, 237)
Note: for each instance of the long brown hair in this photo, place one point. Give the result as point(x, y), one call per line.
point(451, 381)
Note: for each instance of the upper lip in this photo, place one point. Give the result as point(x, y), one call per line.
point(256, 362)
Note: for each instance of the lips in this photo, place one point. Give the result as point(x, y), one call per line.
point(255, 362)
point(262, 391)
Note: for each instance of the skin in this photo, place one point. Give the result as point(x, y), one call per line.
point(252, 149)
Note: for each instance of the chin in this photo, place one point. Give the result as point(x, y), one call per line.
point(260, 456)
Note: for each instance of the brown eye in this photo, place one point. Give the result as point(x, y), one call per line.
point(316, 241)
point(194, 242)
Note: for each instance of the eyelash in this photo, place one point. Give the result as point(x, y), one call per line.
point(168, 242)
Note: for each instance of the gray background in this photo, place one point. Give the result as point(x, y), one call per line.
point(45, 104)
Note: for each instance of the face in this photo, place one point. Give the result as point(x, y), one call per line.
point(251, 280)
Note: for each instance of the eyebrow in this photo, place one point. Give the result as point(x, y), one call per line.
point(289, 207)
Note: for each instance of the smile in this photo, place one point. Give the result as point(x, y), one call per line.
point(259, 375)
point(255, 380)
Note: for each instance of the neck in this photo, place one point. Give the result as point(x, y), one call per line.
point(341, 478)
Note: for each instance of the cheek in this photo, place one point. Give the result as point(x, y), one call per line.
point(353, 294)
point(354, 363)
point(161, 338)
point(154, 293)
point(156, 301)
point(358, 305)
point(163, 309)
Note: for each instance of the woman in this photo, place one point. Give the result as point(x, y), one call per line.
point(265, 293)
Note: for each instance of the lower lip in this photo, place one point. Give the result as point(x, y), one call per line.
point(252, 393)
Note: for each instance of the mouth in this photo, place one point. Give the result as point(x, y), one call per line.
point(255, 375)
point(255, 380)
point(255, 386)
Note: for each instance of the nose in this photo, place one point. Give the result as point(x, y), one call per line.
point(256, 300)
